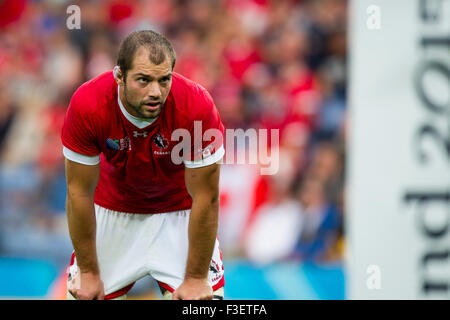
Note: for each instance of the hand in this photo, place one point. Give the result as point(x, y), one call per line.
point(86, 286)
point(193, 289)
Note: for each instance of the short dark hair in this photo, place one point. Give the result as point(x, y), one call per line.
point(160, 48)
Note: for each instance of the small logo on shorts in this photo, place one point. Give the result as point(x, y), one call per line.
point(73, 279)
point(216, 271)
point(214, 267)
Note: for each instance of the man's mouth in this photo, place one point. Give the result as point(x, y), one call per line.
point(152, 106)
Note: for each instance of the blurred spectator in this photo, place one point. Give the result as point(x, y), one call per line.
point(320, 221)
point(7, 113)
point(278, 223)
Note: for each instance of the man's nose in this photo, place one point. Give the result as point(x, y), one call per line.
point(154, 91)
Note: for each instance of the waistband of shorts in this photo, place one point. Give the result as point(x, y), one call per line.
point(184, 211)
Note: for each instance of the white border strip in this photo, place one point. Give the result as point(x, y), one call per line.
point(81, 158)
point(216, 157)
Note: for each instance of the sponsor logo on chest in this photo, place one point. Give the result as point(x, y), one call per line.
point(137, 134)
point(118, 144)
point(162, 143)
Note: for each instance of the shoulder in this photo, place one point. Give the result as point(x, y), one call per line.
point(94, 94)
point(190, 97)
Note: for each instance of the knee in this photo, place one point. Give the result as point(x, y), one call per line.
point(217, 295)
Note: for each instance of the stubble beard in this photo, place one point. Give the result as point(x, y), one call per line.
point(138, 108)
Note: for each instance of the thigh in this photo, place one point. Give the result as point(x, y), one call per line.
point(168, 255)
point(122, 242)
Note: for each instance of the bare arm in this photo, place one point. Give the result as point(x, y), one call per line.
point(203, 186)
point(81, 183)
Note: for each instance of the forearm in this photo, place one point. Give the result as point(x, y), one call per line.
point(203, 224)
point(82, 229)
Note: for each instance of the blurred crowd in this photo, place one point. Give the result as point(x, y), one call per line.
point(267, 63)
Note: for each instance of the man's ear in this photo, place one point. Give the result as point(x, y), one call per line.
point(118, 75)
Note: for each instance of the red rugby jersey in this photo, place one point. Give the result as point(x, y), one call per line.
point(137, 174)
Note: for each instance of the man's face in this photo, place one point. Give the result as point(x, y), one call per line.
point(147, 85)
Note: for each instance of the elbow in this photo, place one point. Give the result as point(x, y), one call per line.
point(74, 192)
point(214, 200)
point(209, 201)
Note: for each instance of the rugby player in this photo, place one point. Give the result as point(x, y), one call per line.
point(132, 211)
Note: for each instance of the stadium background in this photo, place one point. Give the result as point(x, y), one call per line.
point(267, 63)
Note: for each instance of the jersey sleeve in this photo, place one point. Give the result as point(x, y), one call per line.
point(206, 133)
point(78, 135)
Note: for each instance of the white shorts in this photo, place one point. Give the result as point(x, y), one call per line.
point(131, 246)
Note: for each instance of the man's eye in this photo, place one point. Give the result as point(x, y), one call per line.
point(142, 80)
point(164, 80)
